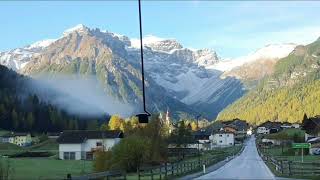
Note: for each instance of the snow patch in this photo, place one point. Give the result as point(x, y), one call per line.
point(147, 40)
point(41, 44)
point(273, 51)
point(79, 28)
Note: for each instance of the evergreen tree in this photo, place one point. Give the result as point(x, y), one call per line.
point(30, 120)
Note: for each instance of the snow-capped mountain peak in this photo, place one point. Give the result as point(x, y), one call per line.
point(274, 51)
point(78, 28)
point(157, 43)
point(271, 51)
point(206, 57)
point(41, 44)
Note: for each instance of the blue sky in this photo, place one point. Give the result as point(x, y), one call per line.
point(231, 28)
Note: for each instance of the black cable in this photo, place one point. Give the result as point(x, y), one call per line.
point(142, 66)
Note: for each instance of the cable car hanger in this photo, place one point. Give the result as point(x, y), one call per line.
point(143, 117)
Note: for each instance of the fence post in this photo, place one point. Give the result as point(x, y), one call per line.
point(160, 171)
point(69, 176)
point(125, 175)
point(138, 173)
point(172, 170)
point(151, 173)
point(289, 167)
point(281, 165)
point(166, 170)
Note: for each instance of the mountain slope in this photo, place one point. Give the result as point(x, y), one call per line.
point(21, 109)
point(85, 52)
point(181, 79)
point(291, 91)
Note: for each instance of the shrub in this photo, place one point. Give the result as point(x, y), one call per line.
point(102, 161)
point(130, 153)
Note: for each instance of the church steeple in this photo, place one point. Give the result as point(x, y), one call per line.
point(168, 117)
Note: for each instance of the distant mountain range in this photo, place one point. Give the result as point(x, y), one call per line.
point(289, 92)
point(187, 81)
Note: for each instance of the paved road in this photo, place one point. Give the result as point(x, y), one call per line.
point(248, 165)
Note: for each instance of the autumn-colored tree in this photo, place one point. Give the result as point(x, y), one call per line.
point(116, 123)
point(194, 126)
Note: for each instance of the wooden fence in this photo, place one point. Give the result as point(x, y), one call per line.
point(164, 171)
point(168, 170)
point(175, 169)
point(100, 175)
point(292, 168)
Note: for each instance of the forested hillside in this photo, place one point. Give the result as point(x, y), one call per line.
point(21, 109)
point(292, 90)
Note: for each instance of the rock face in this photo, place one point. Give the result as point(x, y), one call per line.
point(181, 79)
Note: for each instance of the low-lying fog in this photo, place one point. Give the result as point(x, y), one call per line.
point(78, 95)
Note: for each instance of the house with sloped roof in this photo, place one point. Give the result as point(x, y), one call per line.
point(17, 138)
point(77, 145)
point(222, 138)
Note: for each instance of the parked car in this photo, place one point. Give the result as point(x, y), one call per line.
point(316, 152)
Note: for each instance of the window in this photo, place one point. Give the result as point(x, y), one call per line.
point(69, 155)
point(220, 141)
point(99, 144)
point(89, 155)
point(220, 135)
point(227, 135)
point(72, 155)
point(65, 155)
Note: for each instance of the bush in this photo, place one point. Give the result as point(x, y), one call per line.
point(102, 161)
point(131, 153)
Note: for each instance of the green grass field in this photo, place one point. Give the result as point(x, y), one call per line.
point(288, 132)
point(42, 168)
point(10, 149)
point(48, 145)
point(287, 153)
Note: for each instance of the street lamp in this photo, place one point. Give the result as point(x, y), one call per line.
point(142, 117)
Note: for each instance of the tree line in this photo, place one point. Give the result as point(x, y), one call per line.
point(21, 110)
point(143, 144)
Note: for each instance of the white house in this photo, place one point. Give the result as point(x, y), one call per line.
point(222, 139)
point(77, 145)
point(20, 139)
point(297, 126)
point(263, 130)
point(249, 131)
